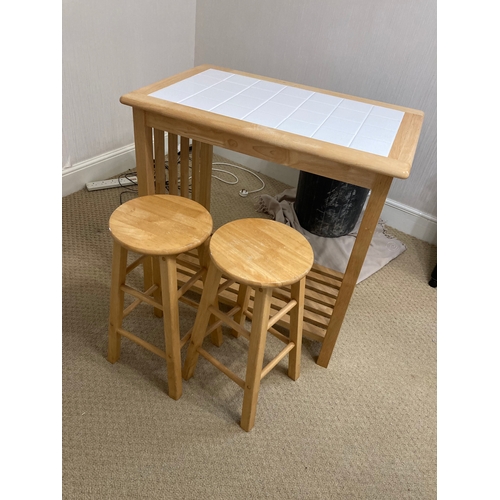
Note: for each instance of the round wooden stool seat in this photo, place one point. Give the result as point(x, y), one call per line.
point(261, 252)
point(160, 224)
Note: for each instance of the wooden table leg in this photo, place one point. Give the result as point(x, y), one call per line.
point(195, 171)
point(206, 159)
point(367, 227)
point(160, 177)
point(143, 136)
point(173, 158)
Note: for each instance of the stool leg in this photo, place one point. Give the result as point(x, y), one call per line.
point(242, 300)
point(118, 275)
point(157, 282)
point(204, 257)
point(257, 345)
point(208, 298)
point(296, 322)
point(168, 272)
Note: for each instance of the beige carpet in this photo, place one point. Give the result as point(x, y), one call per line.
point(364, 428)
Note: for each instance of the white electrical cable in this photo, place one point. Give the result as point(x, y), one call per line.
point(243, 192)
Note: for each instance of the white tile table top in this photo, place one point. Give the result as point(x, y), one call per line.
point(346, 122)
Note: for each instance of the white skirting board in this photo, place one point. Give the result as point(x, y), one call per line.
point(397, 215)
point(98, 168)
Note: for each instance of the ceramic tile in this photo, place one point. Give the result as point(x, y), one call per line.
point(371, 146)
point(326, 98)
point(362, 107)
point(243, 80)
point(230, 110)
point(273, 87)
point(246, 101)
point(395, 114)
point(262, 118)
point(204, 79)
point(216, 73)
point(341, 124)
point(308, 116)
point(334, 136)
point(168, 94)
point(200, 102)
point(188, 86)
point(277, 109)
point(349, 114)
point(289, 100)
point(218, 95)
point(324, 117)
point(229, 86)
point(262, 94)
point(318, 107)
point(383, 122)
point(380, 134)
point(298, 127)
point(296, 92)
point(178, 91)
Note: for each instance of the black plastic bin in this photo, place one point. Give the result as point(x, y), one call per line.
point(326, 207)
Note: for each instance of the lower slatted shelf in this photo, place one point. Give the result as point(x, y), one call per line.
point(322, 287)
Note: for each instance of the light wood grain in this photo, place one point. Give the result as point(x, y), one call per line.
point(185, 167)
point(161, 227)
point(159, 146)
point(160, 224)
point(256, 350)
point(173, 173)
point(261, 252)
point(118, 275)
point(168, 273)
point(365, 233)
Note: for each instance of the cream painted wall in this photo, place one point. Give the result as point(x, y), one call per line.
point(383, 50)
point(110, 48)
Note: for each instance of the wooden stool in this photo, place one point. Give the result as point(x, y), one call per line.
point(162, 226)
point(258, 254)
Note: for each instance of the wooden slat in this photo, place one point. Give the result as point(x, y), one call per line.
point(276, 360)
point(195, 171)
point(136, 302)
point(206, 158)
point(221, 367)
point(141, 342)
point(184, 288)
point(172, 164)
point(274, 319)
point(134, 264)
point(227, 319)
point(185, 167)
point(159, 146)
point(141, 296)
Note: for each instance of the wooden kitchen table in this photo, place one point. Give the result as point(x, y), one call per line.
point(338, 136)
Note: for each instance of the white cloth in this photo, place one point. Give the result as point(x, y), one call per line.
point(334, 253)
